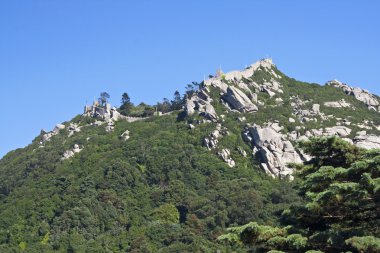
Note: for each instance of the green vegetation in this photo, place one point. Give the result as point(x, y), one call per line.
point(160, 191)
point(341, 190)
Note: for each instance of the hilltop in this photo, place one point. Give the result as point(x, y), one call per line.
point(172, 177)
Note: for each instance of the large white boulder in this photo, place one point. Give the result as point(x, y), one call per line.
point(363, 140)
point(225, 155)
point(273, 151)
point(238, 100)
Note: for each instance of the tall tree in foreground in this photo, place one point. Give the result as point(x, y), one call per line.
point(341, 188)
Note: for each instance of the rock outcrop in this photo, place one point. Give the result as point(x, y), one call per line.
point(201, 102)
point(237, 100)
point(125, 136)
point(211, 141)
point(341, 131)
point(338, 104)
point(110, 125)
point(225, 155)
point(238, 90)
point(102, 112)
point(273, 150)
point(236, 76)
point(70, 153)
point(362, 95)
point(73, 128)
point(47, 136)
point(367, 141)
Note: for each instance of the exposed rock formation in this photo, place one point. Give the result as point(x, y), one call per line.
point(315, 108)
point(303, 111)
point(338, 104)
point(47, 136)
point(70, 153)
point(201, 102)
point(237, 90)
point(273, 150)
point(217, 83)
point(360, 94)
point(125, 136)
point(110, 125)
point(236, 76)
point(340, 131)
point(211, 141)
point(73, 128)
point(370, 141)
point(238, 100)
point(225, 155)
point(102, 112)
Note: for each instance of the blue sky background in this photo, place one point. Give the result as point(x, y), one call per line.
point(56, 55)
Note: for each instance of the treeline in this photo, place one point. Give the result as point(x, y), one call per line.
point(127, 108)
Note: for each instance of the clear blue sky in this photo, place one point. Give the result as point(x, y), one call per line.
point(56, 55)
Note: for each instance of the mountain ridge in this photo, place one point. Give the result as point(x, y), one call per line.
point(145, 179)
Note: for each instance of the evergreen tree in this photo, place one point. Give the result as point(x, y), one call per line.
point(177, 101)
point(126, 104)
point(165, 106)
point(341, 188)
point(103, 99)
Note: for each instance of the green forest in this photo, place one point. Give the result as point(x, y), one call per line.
point(163, 191)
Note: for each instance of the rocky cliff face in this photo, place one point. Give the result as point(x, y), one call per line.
point(272, 149)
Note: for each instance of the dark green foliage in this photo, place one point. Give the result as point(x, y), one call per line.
point(160, 191)
point(177, 102)
point(103, 98)
point(341, 190)
point(126, 104)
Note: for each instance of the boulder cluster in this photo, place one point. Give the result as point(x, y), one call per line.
point(46, 136)
point(238, 92)
point(102, 112)
point(272, 149)
point(362, 95)
point(201, 102)
point(338, 104)
point(70, 153)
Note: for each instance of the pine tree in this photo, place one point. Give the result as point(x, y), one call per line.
point(341, 189)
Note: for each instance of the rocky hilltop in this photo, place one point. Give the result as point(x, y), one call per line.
point(261, 85)
point(172, 177)
point(241, 94)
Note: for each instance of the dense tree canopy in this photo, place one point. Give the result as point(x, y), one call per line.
point(341, 188)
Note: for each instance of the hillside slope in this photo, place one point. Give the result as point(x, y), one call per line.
point(104, 182)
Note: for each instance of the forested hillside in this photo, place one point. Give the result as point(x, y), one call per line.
point(173, 177)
